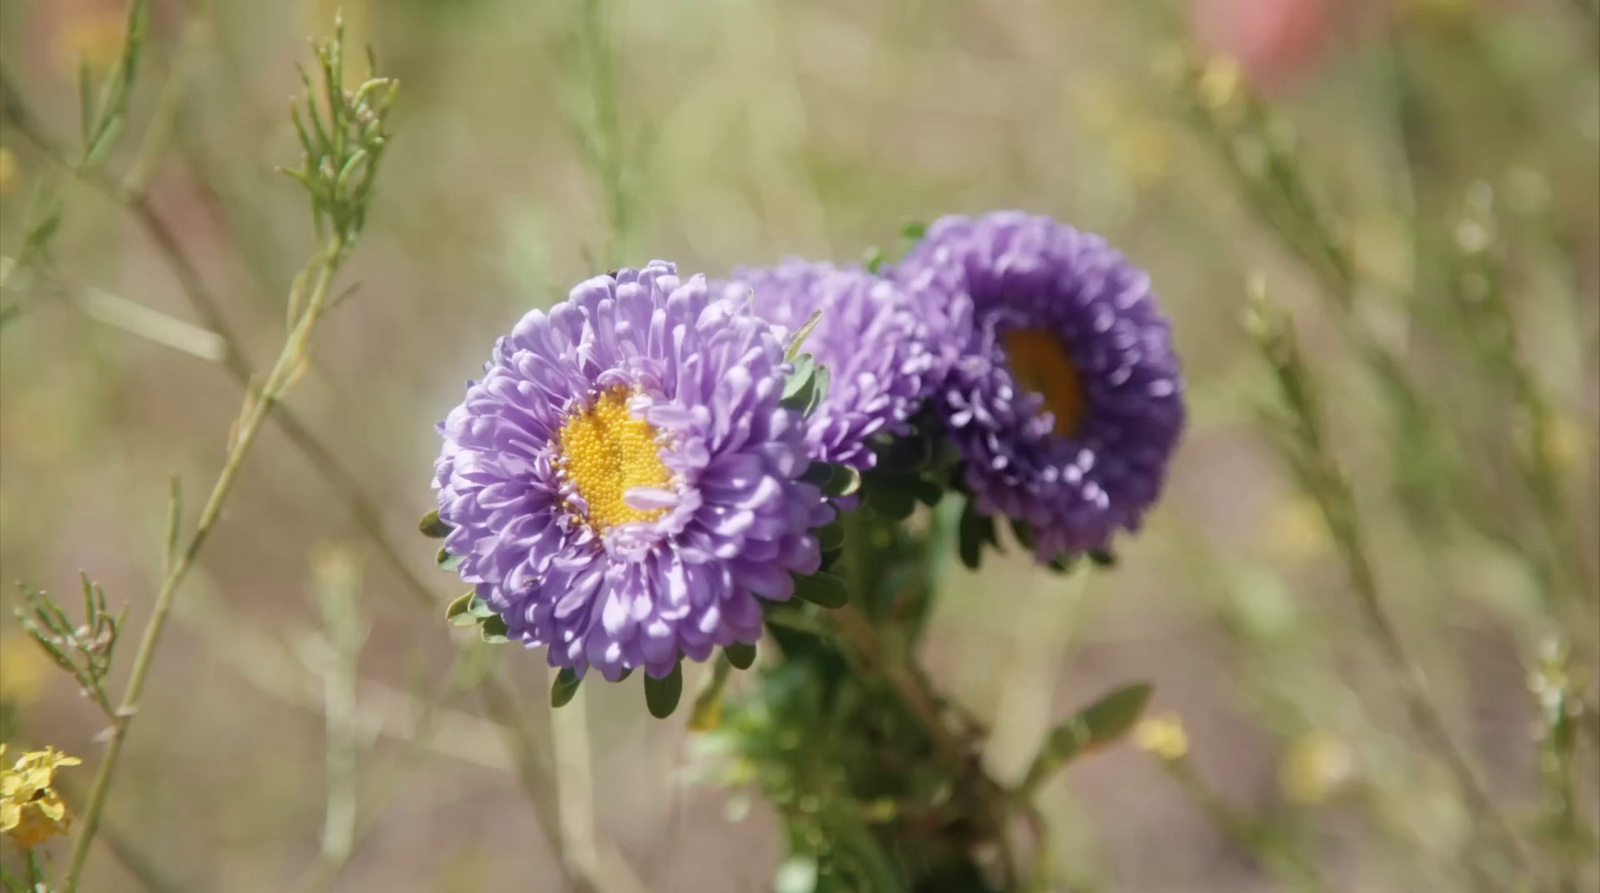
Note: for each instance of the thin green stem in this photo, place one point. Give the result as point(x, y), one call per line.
point(1262, 840)
point(360, 504)
point(1307, 452)
point(32, 870)
point(257, 407)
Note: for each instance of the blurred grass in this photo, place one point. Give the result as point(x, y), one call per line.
point(540, 143)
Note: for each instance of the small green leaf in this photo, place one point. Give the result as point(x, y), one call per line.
point(874, 259)
point(565, 687)
point(741, 655)
point(906, 455)
point(1115, 714)
point(914, 231)
point(892, 496)
point(830, 559)
point(1095, 726)
point(661, 695)
point(824, 590)
point(800, 391)
point(792, 353)
point(819, 391)
point(817, 474)
point(969, 536)
point(447, 561)
point(804, 365)
point(1103, 558)
point(927, 492)
point(459, 612)
point(1023, 531)
point(844, 481)
point(830, 536)
point(432, 526)
point(493, 630)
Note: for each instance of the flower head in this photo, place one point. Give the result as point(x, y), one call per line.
point(1066, 401)
point(623, 481)
point(1163, 736)
point(870, 337)
point(31, 811)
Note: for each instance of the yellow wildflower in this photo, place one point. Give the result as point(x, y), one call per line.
point(1220, 82)
point(31, 811)
point(1163, 736)
point(1315, 767)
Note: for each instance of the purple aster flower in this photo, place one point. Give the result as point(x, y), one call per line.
point(870, 338)
point(1067, 400)
point(623, 481)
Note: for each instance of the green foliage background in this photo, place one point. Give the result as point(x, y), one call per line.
point(1422, 194)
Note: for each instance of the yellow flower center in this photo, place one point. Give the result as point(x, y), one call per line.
point(1040, 363)
point(607, 451)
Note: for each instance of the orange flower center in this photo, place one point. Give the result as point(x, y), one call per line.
point(1040, 363)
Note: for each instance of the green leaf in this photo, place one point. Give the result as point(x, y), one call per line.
point(844, 481)
point(906, 455)
point(824, 590)
point(804, 365)
point(820, 381)
point(741, 655)
point(830, 559)
point(874, 259)
point(892, 496)
point(493, 630)
point(432, 526)
point(792, 353)
point(1095, 726)
point(459, 612)
point(927, 492)
point(818, 474)
point(447, 561)
point(969, 537)
point(1023, 531)
point(830, 536)
point(661, 695)
point(800, 390)
point(914, 231)
point(565, 687)
point(1103, 558)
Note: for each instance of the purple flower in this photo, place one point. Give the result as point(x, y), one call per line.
point(1067, 400)
point(623, 481)
point(870, 338)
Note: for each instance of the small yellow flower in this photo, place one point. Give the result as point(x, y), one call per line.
point(1220, 82)
point(1163, 736)
point(1295, 529)
point(31, 811)
point(1315, 767)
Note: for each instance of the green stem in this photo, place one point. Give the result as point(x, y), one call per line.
point(1249, 834)
point(290, 361)
point(360, 504)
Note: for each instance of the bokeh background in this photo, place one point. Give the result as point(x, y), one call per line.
point(540, 143)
